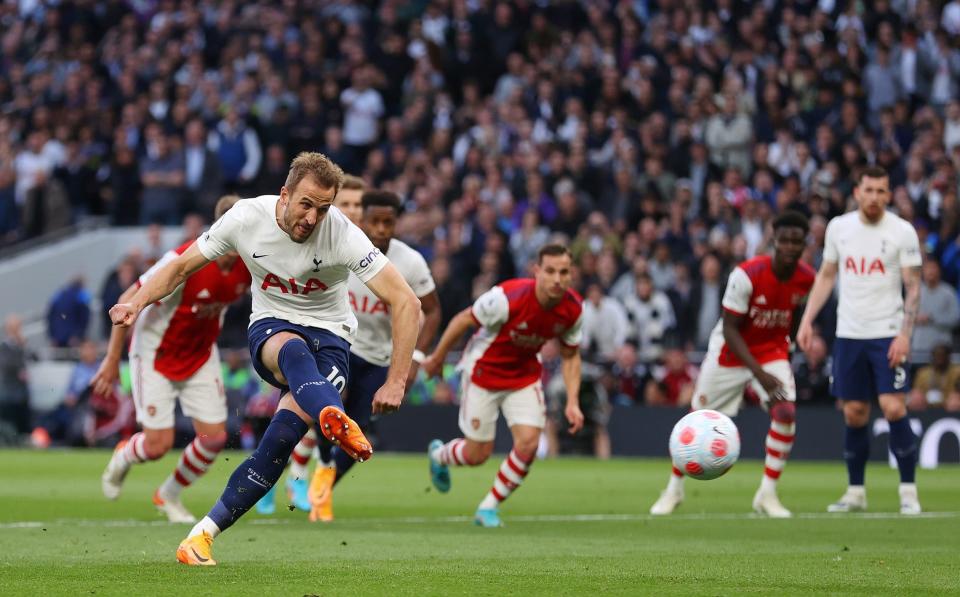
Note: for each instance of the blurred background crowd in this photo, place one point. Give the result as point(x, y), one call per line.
point(658, 137)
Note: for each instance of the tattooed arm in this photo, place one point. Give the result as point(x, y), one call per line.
point(900, 347)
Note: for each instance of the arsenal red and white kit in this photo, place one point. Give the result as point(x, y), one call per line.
point(173, 350)
point(501, 364)
point(767, 306)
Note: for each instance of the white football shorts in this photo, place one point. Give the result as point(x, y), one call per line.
point(721, 388)
point(201, 395)
point(479, 409)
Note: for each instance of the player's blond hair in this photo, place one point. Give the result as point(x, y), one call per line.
point(318, 167)
point(223, 205)
point(353, 183)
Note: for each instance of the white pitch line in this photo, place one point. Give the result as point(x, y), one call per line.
point(131, 523)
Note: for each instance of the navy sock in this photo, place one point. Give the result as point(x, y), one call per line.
point(311, 390)
point(903, 444)
point(856, 451)
point(260, 471)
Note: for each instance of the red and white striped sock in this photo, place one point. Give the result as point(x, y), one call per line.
point(779, 443)
point(135, 451)
point(300, 459)
point(451, 453)
point(194, 462)
point(511, 474)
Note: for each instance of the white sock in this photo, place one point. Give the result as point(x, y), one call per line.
point(675, 484)
point(206, 524)
point(768, 484)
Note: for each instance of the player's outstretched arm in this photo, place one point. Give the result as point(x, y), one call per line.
point(570, 368)
point(822, 287)
point(162, 283)
point(461, 323)
point(404, 305)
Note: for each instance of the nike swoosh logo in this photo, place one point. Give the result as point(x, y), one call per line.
point(255, 256)
point(257, 482)
point(198, 556)
point(717, 431)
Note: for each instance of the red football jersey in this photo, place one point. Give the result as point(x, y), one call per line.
point(504, 353)
point(180, 330)
point(767, 305)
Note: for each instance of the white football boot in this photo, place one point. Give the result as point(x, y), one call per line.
point(669, 499)
point(111, 481)
point(854, 500)
point(909, 502)
point(765, 501)
point(173, 508)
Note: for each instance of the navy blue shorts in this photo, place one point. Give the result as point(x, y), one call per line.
point(330, 351)
point(861, 370)
point(364, 380)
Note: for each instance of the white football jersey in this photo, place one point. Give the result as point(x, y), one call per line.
point(869, 259)
point(374, 341)
point(303, 283)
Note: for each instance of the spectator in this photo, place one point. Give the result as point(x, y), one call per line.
point(14, 392)
point(605, 326)
point(813, 374)
point(162, 173)
point(652, 317)
point(706, 297)
point(203, 178)
point(673, 382)
point(937, 384)
point(68, 315)
point(237, 148)
point(728, 136)
point(938, 315)
point(363, 108)
point(65, 424)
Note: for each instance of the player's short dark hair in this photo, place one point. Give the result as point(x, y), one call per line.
point(791, 219)
point(223, 205)
point(552, 250)
point(380, 198)
point(872, 172)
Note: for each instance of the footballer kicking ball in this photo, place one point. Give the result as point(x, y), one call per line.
point(704, 444)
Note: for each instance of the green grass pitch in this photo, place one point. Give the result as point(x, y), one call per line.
point(576, 527)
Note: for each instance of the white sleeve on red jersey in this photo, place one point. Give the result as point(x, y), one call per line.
point(574, 333)
point(224, 233)
point(910, 247)
point(830, 252)
point(167, 258)
point(491, 309)
point(736, 297)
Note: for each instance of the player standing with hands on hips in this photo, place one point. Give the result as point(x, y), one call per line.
point(501, 371)
point(877, 254)
point(299, 250)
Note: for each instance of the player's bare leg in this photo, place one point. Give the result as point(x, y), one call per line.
point(778, 445)
point(195, 460)
point(512, 472)
point(856, 415)
point(144, 446)
point(903, 444)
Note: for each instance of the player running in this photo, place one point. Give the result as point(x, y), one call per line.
point(750, 345)
point(299, 250)
point(880, 255)
point(501, 371)
point(173, 355)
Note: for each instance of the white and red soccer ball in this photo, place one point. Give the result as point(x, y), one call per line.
point(704, 444)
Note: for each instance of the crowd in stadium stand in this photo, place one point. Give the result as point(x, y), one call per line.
point(658, 137)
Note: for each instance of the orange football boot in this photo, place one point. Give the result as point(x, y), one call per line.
point(196, 551)
point(321, 494)
point(337, 427)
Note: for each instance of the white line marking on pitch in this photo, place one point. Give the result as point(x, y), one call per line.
point(131, 523)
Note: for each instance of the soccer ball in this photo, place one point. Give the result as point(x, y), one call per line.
point(704, 444)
